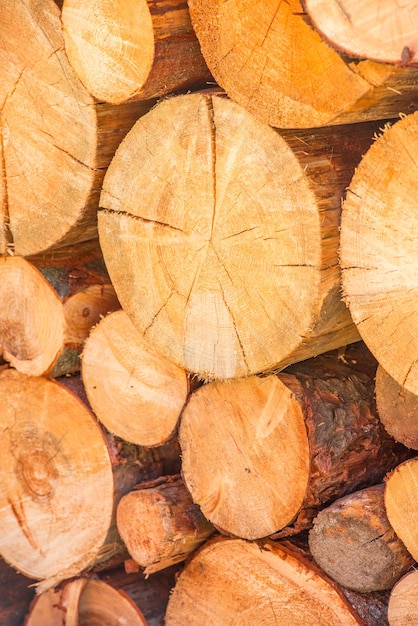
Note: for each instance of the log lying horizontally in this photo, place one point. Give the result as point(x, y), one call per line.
point(401, 496)
point(403, 607)
point(380, 31)
point(84, 601)
point(378, 253)
point(61, 478)
point(261, 455)
point(56, 140)
point(221, 235)
point(160, 525)
point(120, 369)
point(132, 50)
point(231, 581)
point(48, 310)
point(270, 60)
point(397, 408)
point(353, 542)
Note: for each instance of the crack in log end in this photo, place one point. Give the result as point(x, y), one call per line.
point(6, 233)
point(19, 513)
point(211, 114)
point(143, 220)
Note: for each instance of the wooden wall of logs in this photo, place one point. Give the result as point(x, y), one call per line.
point(208, 313)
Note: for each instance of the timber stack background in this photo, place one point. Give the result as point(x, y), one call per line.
point(208, 313)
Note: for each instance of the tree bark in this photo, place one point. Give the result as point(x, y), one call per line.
point(397, 408)
point(16, 595)
point(400, 501)
point(237, 244)
point(378, 252)
point(120, 369)
point(377, 31)
point(160, 525)
point(402, 608)
point(132, 50)
point(353, 542)
point(260, 456)
point(56, 140)
point(256, 583)
point(48, 310)
point(61, 478)
point(269, 59)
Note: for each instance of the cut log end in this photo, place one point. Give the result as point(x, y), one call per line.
point(244, 278)
point(132, 50)
point(54, 463)
point(257, 584)
point(120, 368)
point(377, 31)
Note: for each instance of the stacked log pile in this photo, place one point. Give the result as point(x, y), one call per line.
point(208, 373)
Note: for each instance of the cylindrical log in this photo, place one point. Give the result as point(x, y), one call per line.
point(230, 581)
point(132, 50)
point(150, 593)
point(61, 477)
point(56, 139)
point(397, 408)
point(48, 310)
point(380, 31)
point(16, 595)
point(353, 542)
point(260, 455)
point(269, 59)
point(82, 602)
point(403, 606)
point(401, 496)
point(160, 525)
point(221, 235)
point(379, 252)
point(121, 369)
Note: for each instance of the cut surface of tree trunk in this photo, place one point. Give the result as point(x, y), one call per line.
point(221, 235)
point(270, 60)
point(132, 50)
point(231, 581)
point(160, 525)
point(56, 140)
point(95, 602)
point(401, 495)
point(384, 31)
point(48, 310)
point(403, 607)
point(261, 454)
point(353, 542)
point(397, 408)
point(121, 369)
point(378, 251)
point(56, 483)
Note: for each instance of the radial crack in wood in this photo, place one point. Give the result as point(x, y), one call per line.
point(378, 251)
point(269, 59)
point(56, 139)
point(246, 276)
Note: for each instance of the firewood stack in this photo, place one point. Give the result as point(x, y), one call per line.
point(208, 261)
